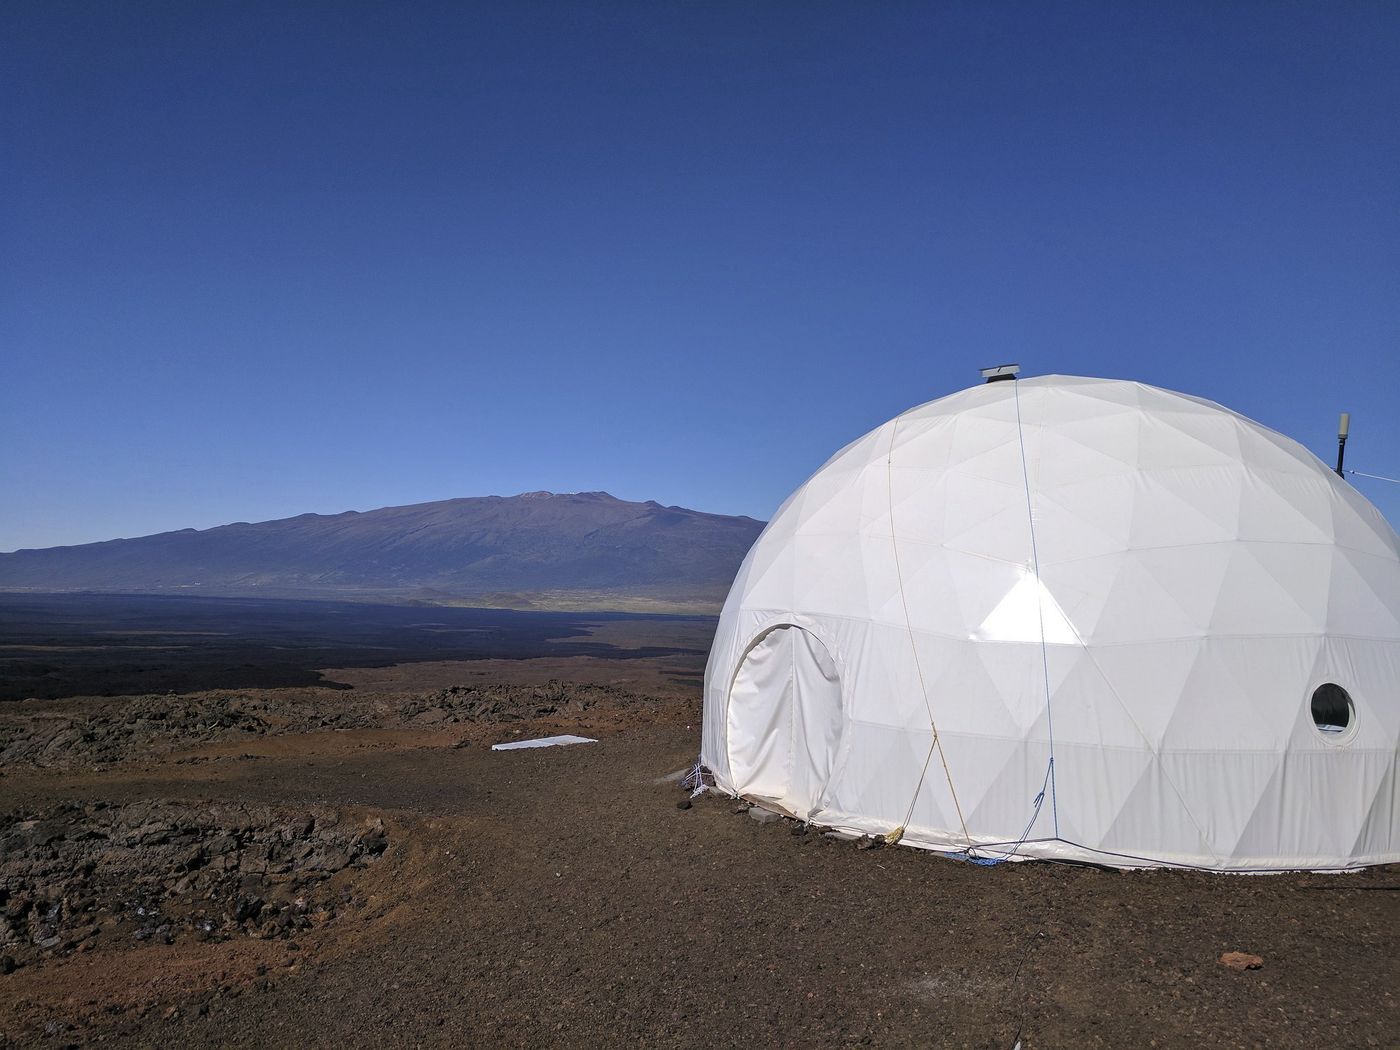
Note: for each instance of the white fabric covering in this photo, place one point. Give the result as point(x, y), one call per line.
point(1151, 582)
point(543, 741)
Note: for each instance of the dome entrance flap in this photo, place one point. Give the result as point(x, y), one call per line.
point(784, 720)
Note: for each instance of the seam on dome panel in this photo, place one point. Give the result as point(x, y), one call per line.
point(1155, 752)
point(935, 742)
point(1040, 617)
point(1157, 756)
point(1388, 639)
point(1088, 651)
point(1374, 749)
point(793, 701)
point(1155, 862)
point(1218, 543)
point(1370, 638)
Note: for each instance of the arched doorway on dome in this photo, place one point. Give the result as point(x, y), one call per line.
point(784, 719)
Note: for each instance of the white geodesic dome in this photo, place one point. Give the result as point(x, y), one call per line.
point(1071, 618)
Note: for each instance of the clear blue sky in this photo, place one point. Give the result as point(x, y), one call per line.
point(260, 259)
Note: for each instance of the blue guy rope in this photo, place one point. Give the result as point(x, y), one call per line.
point(1040, 614)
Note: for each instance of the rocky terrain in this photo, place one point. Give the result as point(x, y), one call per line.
point(76, 876)
point(99, 733)
point(324, 867)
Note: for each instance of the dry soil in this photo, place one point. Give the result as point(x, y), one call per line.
point(456, 896)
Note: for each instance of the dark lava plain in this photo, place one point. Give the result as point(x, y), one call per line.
point(61, 645)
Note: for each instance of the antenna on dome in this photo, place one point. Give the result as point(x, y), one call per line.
point(1343, 427)
point(1000, 373)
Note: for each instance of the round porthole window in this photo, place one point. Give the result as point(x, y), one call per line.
point(1332, 709)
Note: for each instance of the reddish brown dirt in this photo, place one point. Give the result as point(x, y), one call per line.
point(561, 897)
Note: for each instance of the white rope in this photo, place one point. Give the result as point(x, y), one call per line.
point(1374, 477)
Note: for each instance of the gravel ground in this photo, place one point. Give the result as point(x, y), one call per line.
point(569, 896)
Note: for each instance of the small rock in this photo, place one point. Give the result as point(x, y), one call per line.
point(683, 804)
point(374, 841)
point(222, 844)
point(330, 860)
point(1241, 961)
point(7, 964)
point(190, 859)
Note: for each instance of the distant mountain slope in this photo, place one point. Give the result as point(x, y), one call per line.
point(540, 548)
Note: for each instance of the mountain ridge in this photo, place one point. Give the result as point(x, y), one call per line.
point(535, 549)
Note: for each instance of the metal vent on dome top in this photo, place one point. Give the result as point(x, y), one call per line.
point(999, 373)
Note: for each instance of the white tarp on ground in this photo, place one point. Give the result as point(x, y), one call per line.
point(1143, 584)
point(543, 741)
